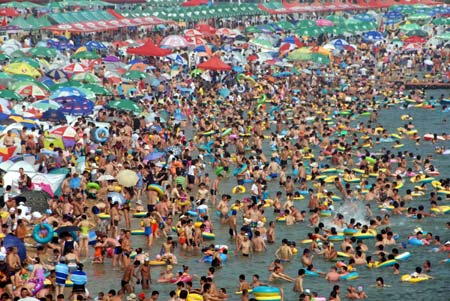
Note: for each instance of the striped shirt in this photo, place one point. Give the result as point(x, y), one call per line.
point(62, 272)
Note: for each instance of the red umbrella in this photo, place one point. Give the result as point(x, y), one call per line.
point(8, 12)
point(214, 63)
point(415, 39)
point(194, 2)
point(205, 29)
point(149, 49)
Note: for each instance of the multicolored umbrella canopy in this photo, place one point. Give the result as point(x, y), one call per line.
point(300, 54)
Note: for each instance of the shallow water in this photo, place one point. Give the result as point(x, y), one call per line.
point(103, 278)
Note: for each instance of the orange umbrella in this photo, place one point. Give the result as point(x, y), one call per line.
point(139, 66)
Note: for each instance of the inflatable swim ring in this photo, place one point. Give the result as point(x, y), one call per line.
point(208, 236)
point(140, 214)
point(238, 189)
point(408, 278)
point(103, 216)
point(92, 185)
point(158, 188)
point(101, 135)
point(37, 230)
point(350, 276)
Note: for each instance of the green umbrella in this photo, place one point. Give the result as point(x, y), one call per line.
point(134, 75)
point(4, 57)
point(305, 23)
point(46, 105)
point(263, 43)
point(4, 75)
point(286, 25)
point(419, 17)
point(21, 84)
point(86, 77)
point(410, 26)
point(308, 32)
point(125, 105)
point(89, 94)
point(196, 72)
point(70, 83)
point(17, 53)
point(417, 32)
point(320, 58)
point(23, 77)
point(300, 54)
point(10, 95)
point(86, 55)
point(336, 19)
point(336, 30)
point(28, 60)
point(444, 36)
point(441, 21)
point(43, 52)
point(97, 89)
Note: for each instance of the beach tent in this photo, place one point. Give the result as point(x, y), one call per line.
point(214, 63)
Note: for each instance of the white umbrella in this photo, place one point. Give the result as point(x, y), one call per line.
point(428, 62)
point(106, 178)
point(174, 42)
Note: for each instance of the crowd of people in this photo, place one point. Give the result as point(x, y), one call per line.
point(309, 135)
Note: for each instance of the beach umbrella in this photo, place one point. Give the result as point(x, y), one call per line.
point(12, 241)
point(192, 33)
point(67, 92)
point(419, 17)
point(97, 89)
point(22, 68)
point(77, 108)
point(305, 24)
point(417, 32)
point(57, 74)
point(45, 105)
point(127, 178)
point(134, 75)
point(44, 52)
point(125, 105)
point(373, 36)
point(262, 43)
point(53, 116)
point(365, 17)
point(441, 21)
point(91, 45)
point(86, 55)
point(10, 95)
point(86, 77)
point(28, 60)
point(300, 54)
point(111, 59)
point(214, 63)
point(117, 197)
point(76, 68)
point(308, 32)
point(225, 32)
point(444, 36)
point(320, 58)
point(339, 43)
point(154, 156)
point(409, 26)
point(174, 42)
point(106, 178)
point(415, 39)
point(31, 89)
point(324, 22)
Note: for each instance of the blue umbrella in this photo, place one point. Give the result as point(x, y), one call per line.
point(70, 99)
point(179, 116)
point(54, 116)
point(372, 36)
point(57, 74)
point(66, 92)
point(156, 128)
point(77, 108)
point(365, 17)
point(282, 74)
point(339, 43)
point(75, 183)
point(3, 116)
point(46, 81)
point(224, 92)
point(154, 82)
point(393, 15)
point(154, 156)
point(91, 45)
point(12, 241)
point(200, 48)
point(116, 198)
point(238, 69)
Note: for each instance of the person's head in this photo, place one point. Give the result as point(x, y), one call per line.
point(380, 281)
point(155, 295)
point(24, 293)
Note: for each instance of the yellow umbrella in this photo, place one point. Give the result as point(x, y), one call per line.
point(22, 68)
point(81, 49)
point(55, 140)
